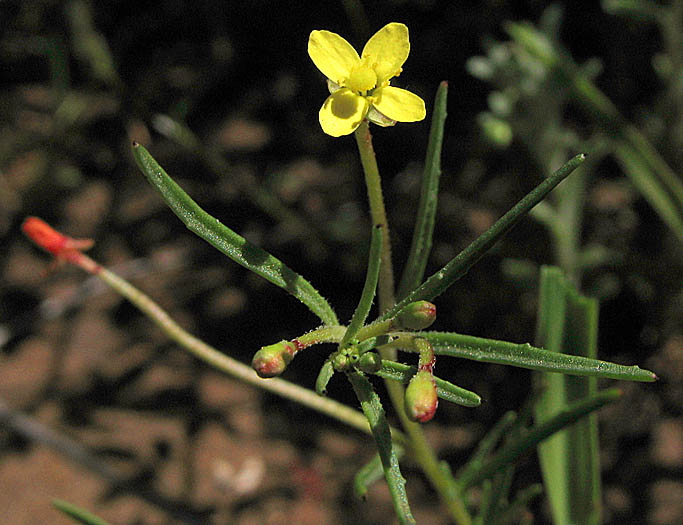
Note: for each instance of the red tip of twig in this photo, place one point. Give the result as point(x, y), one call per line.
point(61, 246)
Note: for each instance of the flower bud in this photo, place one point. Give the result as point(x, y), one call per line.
point(341, 362)
point(370, 362)
point(417, 316)
point(272, 360)
point(421, 400)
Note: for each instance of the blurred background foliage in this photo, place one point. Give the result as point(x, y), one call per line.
point(226, 98)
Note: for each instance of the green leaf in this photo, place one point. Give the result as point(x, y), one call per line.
point(420, 247)
point(76, 513)
point(513, 450)
point(444, 389)
point(369, 288)
point(374, 412)
point(568, 323)
point(526, 356)
point(230, 243)
point(324, 376)
point(459, 265)
point(371, 472)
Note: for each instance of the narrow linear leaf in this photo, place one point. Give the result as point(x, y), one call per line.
point(77, 514)
point(324, 376)
point(374, 412)
point(444, 389)
point(369, 288)
point(230, 243)
point(371, 472)
point(526, 356)
point(461, 263)
point(513, 450)
point(568, 323)
point(421, 245)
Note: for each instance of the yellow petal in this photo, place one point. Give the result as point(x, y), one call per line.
point(399, 104)
point(387, 51)
point(332, 55)
point(342, 112)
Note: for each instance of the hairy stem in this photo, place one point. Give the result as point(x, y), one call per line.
point(423, 453)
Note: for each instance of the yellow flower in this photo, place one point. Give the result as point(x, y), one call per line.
point(359, 86)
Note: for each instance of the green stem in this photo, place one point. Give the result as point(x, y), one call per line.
point(423, 453)
point(222, 362)
point(378, 213)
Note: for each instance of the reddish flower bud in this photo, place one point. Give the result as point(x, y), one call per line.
point(417, 316)
point(62, 247)
point(51, 240)
point(273, 359)
point(421, 399)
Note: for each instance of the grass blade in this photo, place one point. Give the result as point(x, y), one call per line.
point(513, 450)
point(374, 412)
point(568, 323)
point(369, 288)
point(526, 356)
point(413, 273)
point(230, 243)
point(76, 513)
point(460, 264)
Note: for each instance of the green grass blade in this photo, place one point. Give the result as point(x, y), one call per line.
point(76, 513)
point(526, 356)
point(529, 440)
point(369, 288)
point(374, 412)
point(568, 323)
point(458, 266)
point(230, 243)
point(371, 472)
point(421, 245)
point(444, 389)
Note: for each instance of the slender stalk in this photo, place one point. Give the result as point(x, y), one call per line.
point(226, 364)
point(68, 249)
point(378, 213)
point(423, 453)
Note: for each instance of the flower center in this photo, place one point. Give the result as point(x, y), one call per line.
point(362, 78)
